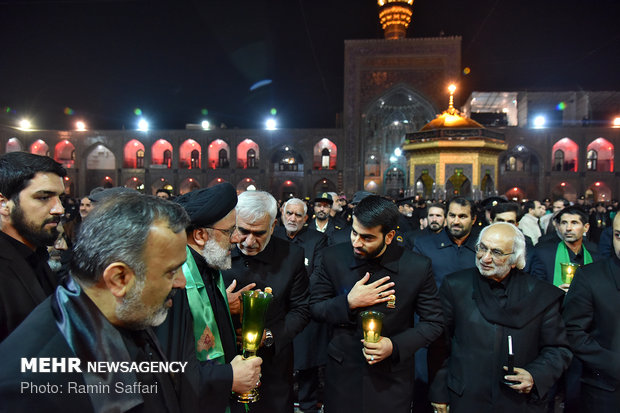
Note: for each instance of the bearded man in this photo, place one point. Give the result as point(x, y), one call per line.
point(30, 211)
point(371, 272)
point(200, 325)
point(483, 307)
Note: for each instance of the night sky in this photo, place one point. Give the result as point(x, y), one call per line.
point(173, 59)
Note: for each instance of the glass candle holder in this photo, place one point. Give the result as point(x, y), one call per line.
point(372, 321)
point(255, 304)
point(568, 271)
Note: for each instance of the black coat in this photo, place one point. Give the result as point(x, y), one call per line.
point(351, 384)
point(311, 344)
point(542, 264)
point(470, 380)
point(279, 266)
point(591, 312)
point(20, 290)
point(39, 336)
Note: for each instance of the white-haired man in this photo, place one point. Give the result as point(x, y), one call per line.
point(271, 262)
point(311, 344)
point(485, 305)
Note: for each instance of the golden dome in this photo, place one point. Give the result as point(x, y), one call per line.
point(454, 120)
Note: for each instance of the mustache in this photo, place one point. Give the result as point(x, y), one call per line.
point(172, 293)
point(55, 219)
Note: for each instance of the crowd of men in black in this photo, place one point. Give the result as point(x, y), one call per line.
point(476, 314)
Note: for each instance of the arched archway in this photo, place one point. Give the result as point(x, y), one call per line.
point(600, 192)
point(487, 186)
point(39, 147)
point(515, 194)
point(425, 185)
point(600, 156)
point(325, 154)
point(189, 155)
point(161, 154)
point(133, 155)
point(218, 154)
point(288, 189)
point(394, 182)
point(64, 153)
point(287, 159)
point(161, 183)
point(189, 185)
point(247, 154)
point(565, 154)
point(458, 185)
point(100, 157)
point(216, 181)
point(246, 184)
point(13, 145)
point(564, 190)
point(519, 159)
point(323, 185)
point(135, 183)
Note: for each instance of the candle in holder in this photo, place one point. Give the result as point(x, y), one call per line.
point(255, 304)
point(568, 271)
point(372, 321)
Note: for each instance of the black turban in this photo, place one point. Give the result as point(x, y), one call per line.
point(208, 205)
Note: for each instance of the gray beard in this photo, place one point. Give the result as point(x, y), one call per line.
point(216, 256)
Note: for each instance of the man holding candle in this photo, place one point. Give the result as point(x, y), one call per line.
point(200, 325)
point(271, 262)
point(572, 223)
point(591, 310)
point(372, 273)
point(482, 307)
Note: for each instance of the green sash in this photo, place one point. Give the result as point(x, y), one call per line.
point(206, 332)
point(561, 255)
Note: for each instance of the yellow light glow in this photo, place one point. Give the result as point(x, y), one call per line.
point(452, 88)
point(25, 124)
point(79, 125)
point(616, 122)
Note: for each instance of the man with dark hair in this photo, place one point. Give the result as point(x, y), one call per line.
point(509, 212)
point(529, 224)
point(322, 221)
point(435, 220)
point(453, 249)
point(122, 286)
point(200, 326)
point(30, 211)
point(372, 273)
point(572, 223)
point(163, 193)
point(484, 308)
point(546, 221)
point(591, 309)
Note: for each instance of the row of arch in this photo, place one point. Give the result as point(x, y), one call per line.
point(565, 157)
point(190, 154)
point(597, 192)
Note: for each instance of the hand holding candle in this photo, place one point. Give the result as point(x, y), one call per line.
point(372, 321)
point(568, 271)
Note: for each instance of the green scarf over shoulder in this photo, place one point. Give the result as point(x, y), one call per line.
point(561, 255)
point(206, 332)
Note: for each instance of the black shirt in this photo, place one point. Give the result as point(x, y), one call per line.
point(37, 260)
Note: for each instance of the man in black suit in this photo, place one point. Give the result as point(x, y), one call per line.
point(591, 310)
point(271, 262)
point(483, 306)
point(126, 267)
point(572, 223)
point(372, 273)
point(311, 344)
point(30, 211)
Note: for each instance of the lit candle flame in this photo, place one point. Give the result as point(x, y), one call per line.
point(371, 325)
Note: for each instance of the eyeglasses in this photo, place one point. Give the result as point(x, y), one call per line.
point(495, 253)
point(228, 232)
